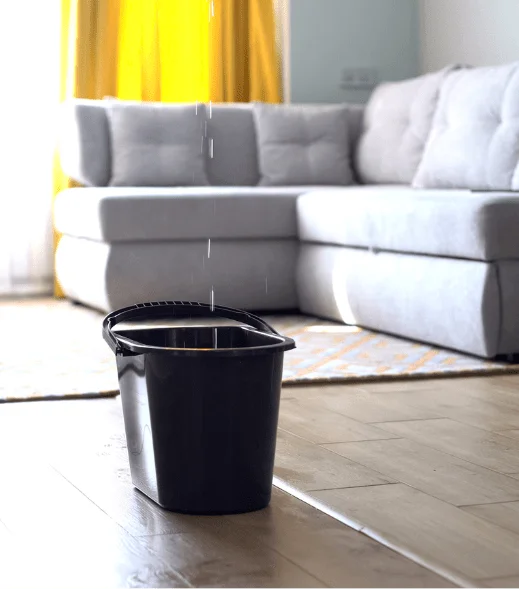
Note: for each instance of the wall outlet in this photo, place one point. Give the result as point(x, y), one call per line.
point(359, 78)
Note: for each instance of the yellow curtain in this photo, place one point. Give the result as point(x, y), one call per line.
point(167, 50)
point(244, 61)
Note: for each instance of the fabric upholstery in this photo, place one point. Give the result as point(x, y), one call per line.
point(303, 145)
point(118, 214)
point(232, 158)
point(508, 275)
point(474, 142)
point(449, 302)
point(454, 223)
point(156, 144)
point(246, 274)
point(84, 142)
point(397, 121)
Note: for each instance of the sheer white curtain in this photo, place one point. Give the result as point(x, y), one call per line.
point(282, 14)
point(29, 95)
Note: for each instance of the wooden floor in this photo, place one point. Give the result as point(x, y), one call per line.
point(428, 467)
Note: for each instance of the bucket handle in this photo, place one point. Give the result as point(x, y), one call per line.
point(179, 309)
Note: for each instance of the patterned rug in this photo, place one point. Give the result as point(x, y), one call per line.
point(52, 349)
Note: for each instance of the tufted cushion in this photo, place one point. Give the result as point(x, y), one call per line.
point(303, 144)
point(474, 142)
point(397, 121)
point(156, 144)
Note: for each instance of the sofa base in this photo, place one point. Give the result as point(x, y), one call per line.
point(247, 274)
point(454, 303)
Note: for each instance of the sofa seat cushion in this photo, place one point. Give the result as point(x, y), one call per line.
point(118, 214)
point(452, 223)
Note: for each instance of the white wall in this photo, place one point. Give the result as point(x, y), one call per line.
point(328, 35)
point(474, 32)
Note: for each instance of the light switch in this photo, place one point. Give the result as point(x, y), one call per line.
point(359, 78)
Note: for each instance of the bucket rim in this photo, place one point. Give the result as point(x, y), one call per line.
point(122, 345)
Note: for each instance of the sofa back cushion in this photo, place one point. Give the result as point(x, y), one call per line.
point(303, 144)
point(84, 142)
point(474, 141)
point(232, 158)
point(397, 122)
point(156, 145)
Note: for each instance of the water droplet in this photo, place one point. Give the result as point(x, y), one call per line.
point(208, 248)
point(211, 148)
point(212, 298)
point(215, 338)
point(210, 109)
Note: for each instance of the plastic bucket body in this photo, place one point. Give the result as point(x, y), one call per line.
point(200, 400)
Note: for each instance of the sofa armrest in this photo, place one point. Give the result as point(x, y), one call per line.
point(84, 142)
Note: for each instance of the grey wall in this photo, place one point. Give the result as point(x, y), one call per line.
point(329, 35)
point(475, 32)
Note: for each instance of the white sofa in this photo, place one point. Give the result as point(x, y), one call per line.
point(419, 238)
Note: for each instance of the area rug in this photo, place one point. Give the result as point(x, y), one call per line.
point(53, 349)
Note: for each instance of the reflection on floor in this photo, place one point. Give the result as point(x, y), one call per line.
point(429, 467)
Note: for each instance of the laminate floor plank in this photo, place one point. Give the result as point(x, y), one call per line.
point(481, 447)
point(209, 558)
point(312, 421)
point(514, 433)
point(310, 467)
point(436, 473)
point(506, 515)
point(475, 409)
point(361, 405)
point(502, 583)
point(435, 530)
point(337, 555)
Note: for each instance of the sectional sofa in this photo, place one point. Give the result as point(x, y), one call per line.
point(401, 216)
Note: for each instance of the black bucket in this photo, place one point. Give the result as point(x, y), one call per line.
point(200, 388)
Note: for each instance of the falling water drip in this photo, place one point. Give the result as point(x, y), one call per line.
point(212, 7)
point(210, 109)
point(212, 298)
point(208, 248)
point(215, 338)
point(211, 149)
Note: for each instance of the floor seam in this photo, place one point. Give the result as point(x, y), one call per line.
point(453, 577)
